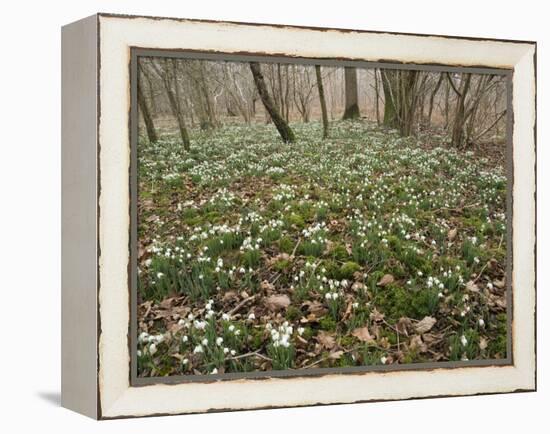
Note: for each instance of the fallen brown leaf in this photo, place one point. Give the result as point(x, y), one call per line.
point(277, 302)
point(386, 280)
point(362, 334)
point(326, 340)
point(425, 325)
point(472, 286)
point(451, 235)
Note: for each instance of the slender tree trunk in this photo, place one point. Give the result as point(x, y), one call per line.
point(284, 130)
point(321, 91)
point(457, 135)
point(352, 106)
point(432, 97)
point(145, 113)
point(390, 113)
point(168, 75)
point(377, 94)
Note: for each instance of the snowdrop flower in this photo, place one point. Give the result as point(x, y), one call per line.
point(328, 295)
point(233, 352)
point(231, 328)
point(481, 322)
point(204, 342)
point(214, 371)
point(301, 330)
point(383, 359)
point(225, 350)
point(152, 349)
point(184, 338)
point(198, 349)
point(251, 316)
point(490, 285)
point(160, 275)
point(219, 340)
point(185, 361)
point(139, 353)
point(476, 260)
point(463, 340)
point(225, 317)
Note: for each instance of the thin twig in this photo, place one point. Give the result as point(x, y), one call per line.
point(253, 353)
point(241, 304)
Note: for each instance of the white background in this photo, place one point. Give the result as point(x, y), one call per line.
point(30, 217)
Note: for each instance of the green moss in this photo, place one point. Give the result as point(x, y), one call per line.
point(293, 313)
point(327, 323)
point(348, 269)
point(282, 265)
point(286, 245)
point(297, 220)
point(339, 252)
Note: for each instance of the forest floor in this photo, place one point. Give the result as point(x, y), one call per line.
point(363, 249)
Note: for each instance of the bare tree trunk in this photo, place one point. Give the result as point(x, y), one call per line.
point(321, 91)
point(284, 130)
point(432, 97)
point(377, 94)
point(390, 114)
point(168, 75)
point(457, 135)
point(352, 107)
point(144, 109)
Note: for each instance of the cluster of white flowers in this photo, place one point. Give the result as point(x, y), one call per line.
point(311, 231)
point(280, 336)
point(150, 342)
point(286, 192)
point(434, 281)
point(332, 295)
point(250, 244)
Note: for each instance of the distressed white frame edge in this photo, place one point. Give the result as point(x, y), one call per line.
point(117, 398)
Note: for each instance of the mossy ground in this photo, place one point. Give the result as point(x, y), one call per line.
point(243, 218)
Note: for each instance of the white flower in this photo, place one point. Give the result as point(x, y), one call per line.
point(160, 275)
point(184, 338)
point(185, 361)
point(328, 295)
point(225, 317)
point(463, 340)
point(231, 328)
point(225, 350)
point(251, 316)
point(198, 349)
point(139, 353)
point(152, 349)
point(219, 340)
point(481, 322)
point(204, 342)
point(214, 371)
point(232, 352)
point(301, 330)
point(383, 359)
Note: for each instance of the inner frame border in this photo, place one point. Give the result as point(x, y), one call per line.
point(137, 52)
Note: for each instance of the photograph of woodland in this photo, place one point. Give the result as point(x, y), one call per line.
point(295, 216)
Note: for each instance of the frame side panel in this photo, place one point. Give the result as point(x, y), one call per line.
point(79, 217)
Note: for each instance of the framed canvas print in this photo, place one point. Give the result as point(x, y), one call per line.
point(261, 216)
